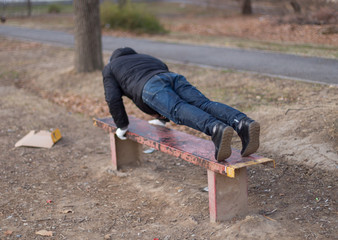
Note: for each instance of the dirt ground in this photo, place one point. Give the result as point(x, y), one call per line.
point(72, 191)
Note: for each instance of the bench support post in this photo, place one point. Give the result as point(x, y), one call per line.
point(228, 197)
point(124, 152)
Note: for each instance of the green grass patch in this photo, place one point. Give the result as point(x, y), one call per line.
point(172, 9)
point(131, 18)
point(22, 9)
point(54, 8)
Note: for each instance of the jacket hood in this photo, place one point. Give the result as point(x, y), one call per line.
point(121, 52)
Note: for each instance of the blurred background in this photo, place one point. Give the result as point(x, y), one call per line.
point(307, 27)
point(321, 11)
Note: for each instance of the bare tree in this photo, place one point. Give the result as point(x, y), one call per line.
point(29, 8)
point(88, 45)
point(246, 7)
point(296, 7)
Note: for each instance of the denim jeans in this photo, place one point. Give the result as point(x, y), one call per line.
point(172, 96)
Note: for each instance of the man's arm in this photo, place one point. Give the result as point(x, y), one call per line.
point(113, 96)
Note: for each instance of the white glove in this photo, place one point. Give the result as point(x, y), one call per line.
point(120, 132)
point(157, 122)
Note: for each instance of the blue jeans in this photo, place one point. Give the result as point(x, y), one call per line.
point(172, 96)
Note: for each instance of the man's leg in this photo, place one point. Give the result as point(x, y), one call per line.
point(159, 95)
point(247, 129)
point(193, 96)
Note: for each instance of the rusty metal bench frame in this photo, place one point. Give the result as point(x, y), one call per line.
point(227, 180)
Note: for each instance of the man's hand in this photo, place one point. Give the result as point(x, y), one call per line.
point(120, 133)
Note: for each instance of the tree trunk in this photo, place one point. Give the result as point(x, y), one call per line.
point(88, 45)
point(296, 7)
point(29, 8)
point(246, 7)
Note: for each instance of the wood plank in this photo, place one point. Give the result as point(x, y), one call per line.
point(228, 197)
point(182, 145)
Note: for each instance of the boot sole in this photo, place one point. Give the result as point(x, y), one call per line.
point(224, 150)
point(254, 130)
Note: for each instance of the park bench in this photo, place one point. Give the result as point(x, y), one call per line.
point(227, 180)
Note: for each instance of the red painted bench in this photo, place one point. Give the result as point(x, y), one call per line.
point(227, 181)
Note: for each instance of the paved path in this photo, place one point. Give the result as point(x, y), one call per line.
point(283, 65)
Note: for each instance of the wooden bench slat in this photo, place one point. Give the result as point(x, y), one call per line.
point(182, 145)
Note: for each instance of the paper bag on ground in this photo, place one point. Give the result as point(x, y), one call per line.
point(44, 139)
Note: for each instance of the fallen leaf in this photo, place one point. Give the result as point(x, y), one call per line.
point(8, 233)
point(67, 211)
point(44, 233)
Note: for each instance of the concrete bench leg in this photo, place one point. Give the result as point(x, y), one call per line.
point(228, 197)
point(124, 152)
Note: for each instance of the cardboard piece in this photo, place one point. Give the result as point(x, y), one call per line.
point(43, 139)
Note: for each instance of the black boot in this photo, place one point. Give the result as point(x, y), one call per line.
point(248, 131)
point(222, 135)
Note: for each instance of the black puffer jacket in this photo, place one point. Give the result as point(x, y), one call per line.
point(125, 75)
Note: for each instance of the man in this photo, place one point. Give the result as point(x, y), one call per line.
point(167, 95)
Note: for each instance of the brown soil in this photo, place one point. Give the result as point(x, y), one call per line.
point(71, 190)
